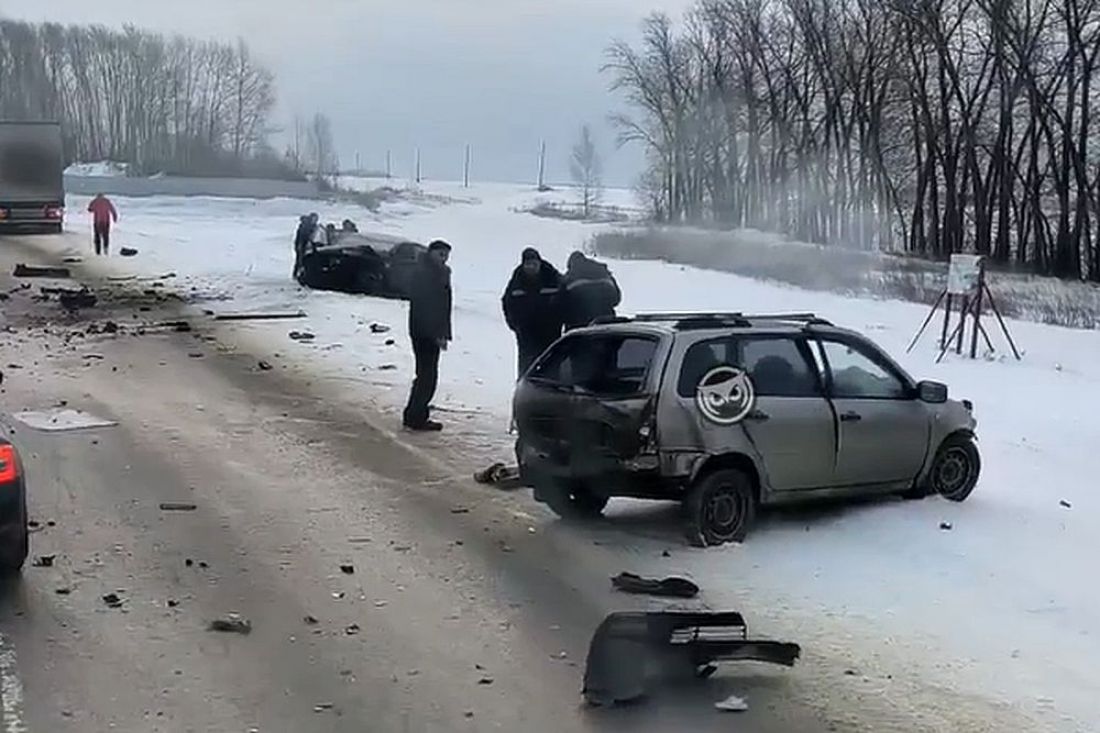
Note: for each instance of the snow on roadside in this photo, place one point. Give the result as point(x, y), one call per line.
point(1003, 607)
point(100, 169)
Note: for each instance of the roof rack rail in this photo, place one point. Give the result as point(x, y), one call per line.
point(605, 320)
point(698, 316)
point(688, 315)
point(809, 318)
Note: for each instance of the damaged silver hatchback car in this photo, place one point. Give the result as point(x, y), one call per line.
point(728, 412)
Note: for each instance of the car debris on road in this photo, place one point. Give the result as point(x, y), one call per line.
point(732, 704)
point(232, 623)
point(672, 587)
point(173, 506)
point(629, 647)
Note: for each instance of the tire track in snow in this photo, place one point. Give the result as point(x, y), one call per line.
point(11, 690)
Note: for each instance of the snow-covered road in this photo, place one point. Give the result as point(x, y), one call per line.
point(1004, 608)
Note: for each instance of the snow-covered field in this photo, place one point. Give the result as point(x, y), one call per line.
point(1004, 608)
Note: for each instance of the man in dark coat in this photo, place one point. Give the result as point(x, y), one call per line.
point(588, 291)
point(531, 306)
point(302, 236)
point(429, 331)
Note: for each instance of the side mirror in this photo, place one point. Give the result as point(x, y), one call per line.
point(932, 392)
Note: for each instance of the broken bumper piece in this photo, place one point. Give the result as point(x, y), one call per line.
point(631, 649)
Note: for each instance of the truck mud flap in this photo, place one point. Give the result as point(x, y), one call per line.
point(630, 651)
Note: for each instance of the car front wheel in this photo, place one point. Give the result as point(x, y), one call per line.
point(956, 468)
point(720, 508)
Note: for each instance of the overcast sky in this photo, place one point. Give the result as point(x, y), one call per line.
point(397, 74)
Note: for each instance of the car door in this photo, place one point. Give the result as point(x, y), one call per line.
point(611, 378)
point(791, 429)
point(545, 401)
point(792, 426)
point(883, 428)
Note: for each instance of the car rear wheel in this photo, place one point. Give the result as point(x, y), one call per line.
point(720, 508)
point(13, 557)
point(572, 500)
point(956, 468)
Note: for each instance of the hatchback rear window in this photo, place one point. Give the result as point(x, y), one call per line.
point(601, 365)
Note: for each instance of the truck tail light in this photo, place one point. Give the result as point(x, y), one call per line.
point(54, 212)
point(9, 465)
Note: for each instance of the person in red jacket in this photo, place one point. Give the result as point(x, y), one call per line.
point(103, 215)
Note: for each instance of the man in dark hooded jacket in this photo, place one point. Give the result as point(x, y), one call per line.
point(532, 306)
point(429, 331)
point(588, 291)
point(306, 225)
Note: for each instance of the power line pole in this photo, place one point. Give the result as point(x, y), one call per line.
point(357, 166)
point(418, 165)
point(542, 165)
point(389, 173)
point(466, 168)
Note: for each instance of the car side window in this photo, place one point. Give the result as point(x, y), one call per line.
point(700, 358)
point(601, 365)
point(778, 368)
point(857, 375)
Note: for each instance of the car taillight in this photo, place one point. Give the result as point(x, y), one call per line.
point(647, 433)
point(54, 212)
point(9, 466)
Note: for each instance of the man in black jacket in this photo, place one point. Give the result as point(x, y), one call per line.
point(588, 291)
point(532, 306)
point(306, 224)
point(429, 331)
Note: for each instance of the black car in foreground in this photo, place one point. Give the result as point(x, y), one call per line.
point(14, 537)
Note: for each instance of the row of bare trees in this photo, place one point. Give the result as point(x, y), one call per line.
point(156, 102)
point(926, 126)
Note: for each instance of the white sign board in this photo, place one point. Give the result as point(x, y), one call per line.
point(963, 274)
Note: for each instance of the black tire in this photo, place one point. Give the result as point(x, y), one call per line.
point(956, 468)
point(720, 507)
point(14, 557)
point(572, 501)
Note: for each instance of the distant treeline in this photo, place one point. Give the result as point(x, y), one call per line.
point(174, 105)
point(925, 126)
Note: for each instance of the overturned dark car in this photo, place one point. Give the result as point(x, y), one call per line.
point(359, 263)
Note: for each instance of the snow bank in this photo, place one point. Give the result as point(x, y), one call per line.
point(101, 169)
point(1002, 609)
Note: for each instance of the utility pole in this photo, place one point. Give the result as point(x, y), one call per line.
point(542, 166)
point(389, 173)
point(357, 166)
point(466, 168)
point(418, 165)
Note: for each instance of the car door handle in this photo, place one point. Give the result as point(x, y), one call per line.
point(758, 416)
point(851, 417)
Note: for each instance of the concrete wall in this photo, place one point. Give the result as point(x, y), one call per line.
point(254, 188)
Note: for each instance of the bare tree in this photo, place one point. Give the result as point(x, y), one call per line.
point(927, 126)
point(321, 148)
point(587, 170)
point(158, 103)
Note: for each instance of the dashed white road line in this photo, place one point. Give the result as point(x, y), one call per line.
point(11, 690)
